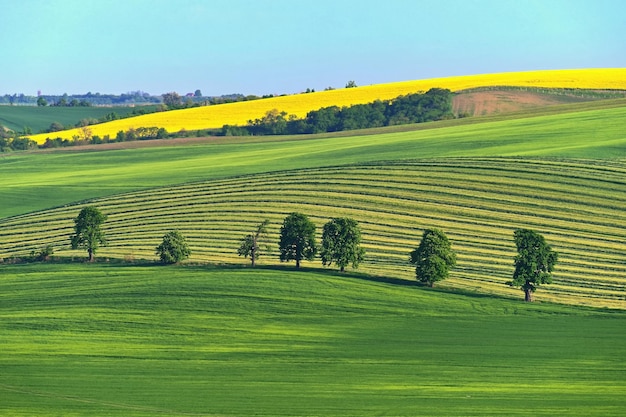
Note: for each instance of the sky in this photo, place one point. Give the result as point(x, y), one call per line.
point(286, 46)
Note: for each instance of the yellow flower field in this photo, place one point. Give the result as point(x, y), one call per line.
point(300, 104)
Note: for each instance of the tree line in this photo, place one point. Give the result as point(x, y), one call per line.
point(435, 104)
point(341, 245)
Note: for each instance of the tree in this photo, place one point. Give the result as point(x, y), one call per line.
point(197, 93)
point(173, 248)
point(351, 84)
point(172, 100)
point(341, 241)
point(88, 233)
point(250, 244)
point(41, 102)
point(433, 258)
point(297, 239)
point(534, 262)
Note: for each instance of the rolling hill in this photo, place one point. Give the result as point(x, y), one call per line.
point(239, 113)
point(214, 337)
point(39, 119)
point(145, 340)
point(538, 173)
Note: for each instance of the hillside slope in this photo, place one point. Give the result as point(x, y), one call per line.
point(39, 180)
point(145, 341)
point(576, 204)
point(495, 100)
point(300, 104)
point(39, 119)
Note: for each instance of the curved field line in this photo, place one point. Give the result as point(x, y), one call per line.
point(576, 204)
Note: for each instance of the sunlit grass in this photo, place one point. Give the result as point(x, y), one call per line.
point(119, 340)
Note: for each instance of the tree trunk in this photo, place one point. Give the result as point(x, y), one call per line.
point(298, 263)
point(91, 257)
point(342, 269)
point(253, 257)
point(528, 295)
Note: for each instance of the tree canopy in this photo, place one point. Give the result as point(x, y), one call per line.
point(534, 262)
point(341, 243)
point(172, 100)
point(297, 239)
point(433, 258)
point(173, 248)
point(88, 234)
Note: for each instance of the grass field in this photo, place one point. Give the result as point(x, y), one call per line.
point(39, 119)
point(300, 104)
point(148, 341)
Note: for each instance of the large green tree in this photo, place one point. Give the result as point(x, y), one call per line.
point(341, 243)
point(250, 244)
point(173, 248)
point(88, 233)
point(534, 262)
point(433, 258)
point(297, 239)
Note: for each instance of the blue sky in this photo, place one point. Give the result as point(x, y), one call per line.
point(286, 46)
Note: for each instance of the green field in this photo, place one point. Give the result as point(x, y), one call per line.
point(38, 119)
point(479, 202)
point(125, 337)
point(144, 340)
point(36, 181)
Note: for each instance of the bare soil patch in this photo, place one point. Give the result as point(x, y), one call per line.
point(482, 103)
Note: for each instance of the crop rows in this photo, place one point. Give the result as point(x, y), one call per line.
point(576, 205)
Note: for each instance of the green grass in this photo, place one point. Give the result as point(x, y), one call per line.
point(38, 119)
point(118, 340)
point(35, 181)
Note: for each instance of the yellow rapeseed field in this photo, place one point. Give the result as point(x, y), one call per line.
point(300, 104)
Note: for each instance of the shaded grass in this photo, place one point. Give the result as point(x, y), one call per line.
point(145, 340)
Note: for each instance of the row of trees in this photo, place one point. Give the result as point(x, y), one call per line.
point(435, 104)
point(341, 245)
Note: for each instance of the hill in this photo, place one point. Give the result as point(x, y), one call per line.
point(177, 341)
point(38, 180)
point(239, 113)
point(376, 179)
point(39, 119)
point(479, 202)
point(499, 100)
point(127, 337)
